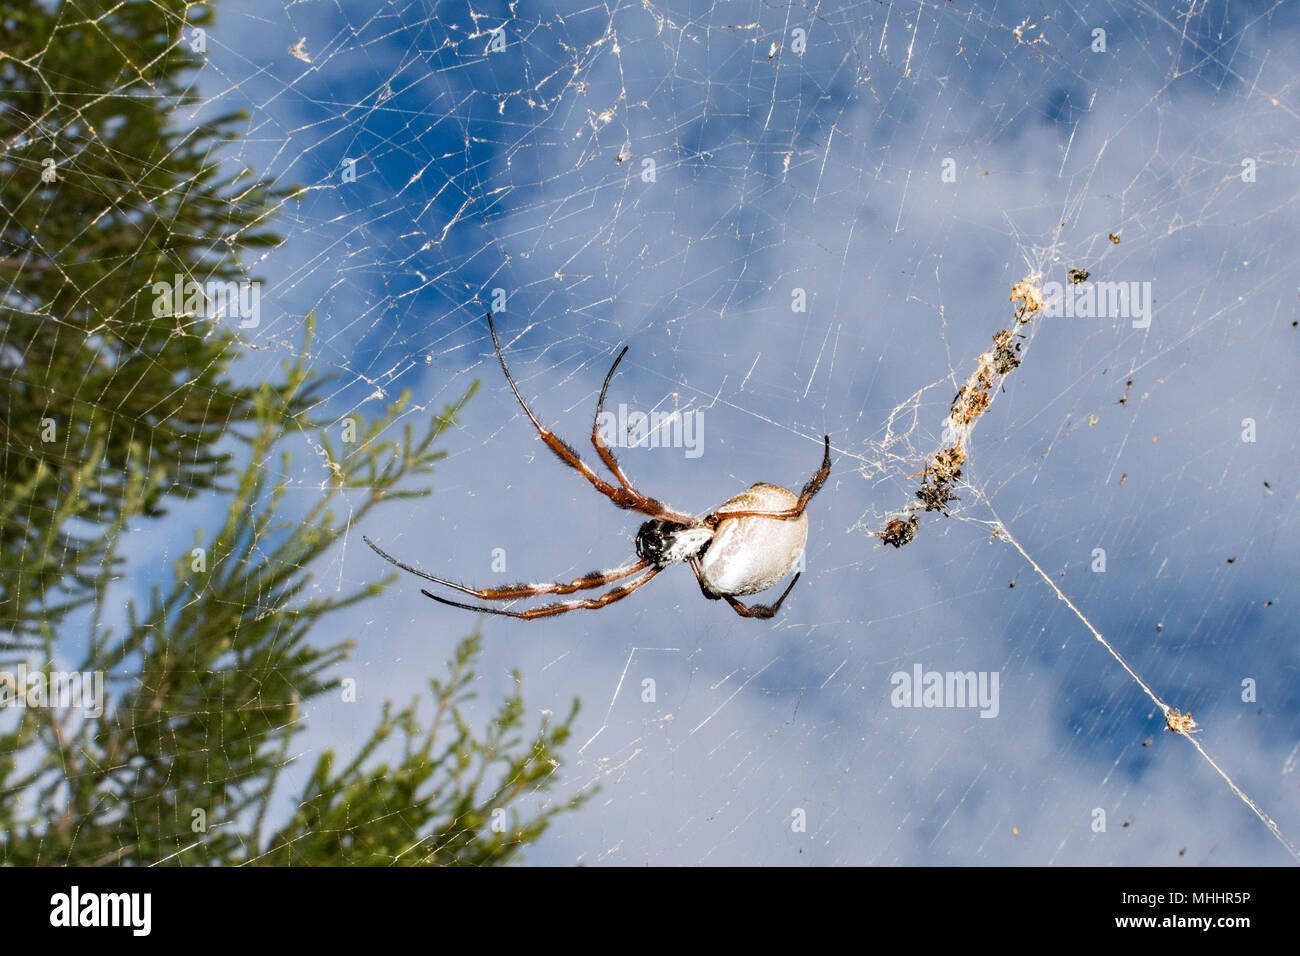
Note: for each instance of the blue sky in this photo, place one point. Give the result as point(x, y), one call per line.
point(822, 171)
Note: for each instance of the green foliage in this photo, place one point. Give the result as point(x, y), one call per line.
point(138, 199)
point(435, 806)
point(218, 666)
point(209, 675)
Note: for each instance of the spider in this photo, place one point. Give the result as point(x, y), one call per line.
point(745, 545)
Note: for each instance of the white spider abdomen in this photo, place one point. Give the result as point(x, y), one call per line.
point(750, 554)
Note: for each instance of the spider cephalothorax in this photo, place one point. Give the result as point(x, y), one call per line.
point(667, 542)
point(745, 545)
point(655, 537)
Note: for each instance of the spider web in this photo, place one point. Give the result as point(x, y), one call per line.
point(808, 220)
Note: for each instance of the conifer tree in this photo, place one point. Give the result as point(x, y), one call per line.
point(110, 416)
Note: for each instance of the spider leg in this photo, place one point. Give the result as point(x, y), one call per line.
point(594, 580)
point(550, 610)
point(602, 449)
point(814, 485)
point(623, 497)
point(758, 610)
